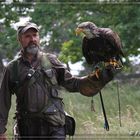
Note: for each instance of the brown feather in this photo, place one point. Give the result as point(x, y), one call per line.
point(103, 47)
point(100, 44)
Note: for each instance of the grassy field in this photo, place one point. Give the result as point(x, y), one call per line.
point(90, 124)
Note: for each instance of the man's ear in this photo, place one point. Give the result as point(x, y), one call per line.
point(18, 39)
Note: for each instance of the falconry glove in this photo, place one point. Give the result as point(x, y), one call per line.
point(92, 84)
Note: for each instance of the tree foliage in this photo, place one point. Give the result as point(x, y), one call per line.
point(10, 14)
point(58, 20)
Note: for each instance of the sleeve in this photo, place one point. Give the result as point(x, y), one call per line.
point(5, 100)
point(88, 85)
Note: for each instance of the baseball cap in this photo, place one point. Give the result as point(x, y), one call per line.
point(26, 26)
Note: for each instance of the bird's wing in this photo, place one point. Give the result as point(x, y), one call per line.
point(113, 38)
point(87, 51)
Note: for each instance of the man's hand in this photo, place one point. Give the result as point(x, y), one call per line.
point(3, 137)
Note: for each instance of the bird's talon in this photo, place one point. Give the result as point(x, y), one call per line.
point(114, 63)
point(97, 73)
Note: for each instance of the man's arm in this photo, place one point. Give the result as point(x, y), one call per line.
point(88, 85)
point(5, 101)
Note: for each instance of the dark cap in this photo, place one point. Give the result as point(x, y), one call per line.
point(23, 28)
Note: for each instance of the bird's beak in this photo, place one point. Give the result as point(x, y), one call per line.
point(78, 31)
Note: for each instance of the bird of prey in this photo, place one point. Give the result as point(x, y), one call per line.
point(100, 45)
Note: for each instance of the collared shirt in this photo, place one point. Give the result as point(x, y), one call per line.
point(34, 95)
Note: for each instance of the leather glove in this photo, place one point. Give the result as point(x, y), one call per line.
point(90, 85)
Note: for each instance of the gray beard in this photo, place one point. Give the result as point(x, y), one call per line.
point(33, 49)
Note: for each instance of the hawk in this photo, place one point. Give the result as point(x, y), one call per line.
point(100, 45)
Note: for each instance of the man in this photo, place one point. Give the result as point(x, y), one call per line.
point(35, 78)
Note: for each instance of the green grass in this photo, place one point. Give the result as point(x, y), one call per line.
point(90, 124)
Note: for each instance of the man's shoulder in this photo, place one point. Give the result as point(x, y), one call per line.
point(52, 59)
point(48, 55)
point(13, 62)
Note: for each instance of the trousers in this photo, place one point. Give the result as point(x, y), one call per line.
point(36, 129)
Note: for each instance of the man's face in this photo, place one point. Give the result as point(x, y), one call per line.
point(29, 38)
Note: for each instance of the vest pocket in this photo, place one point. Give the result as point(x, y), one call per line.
point(50, 75)
point(54, 115)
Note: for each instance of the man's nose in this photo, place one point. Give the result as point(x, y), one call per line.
point(33, 38)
